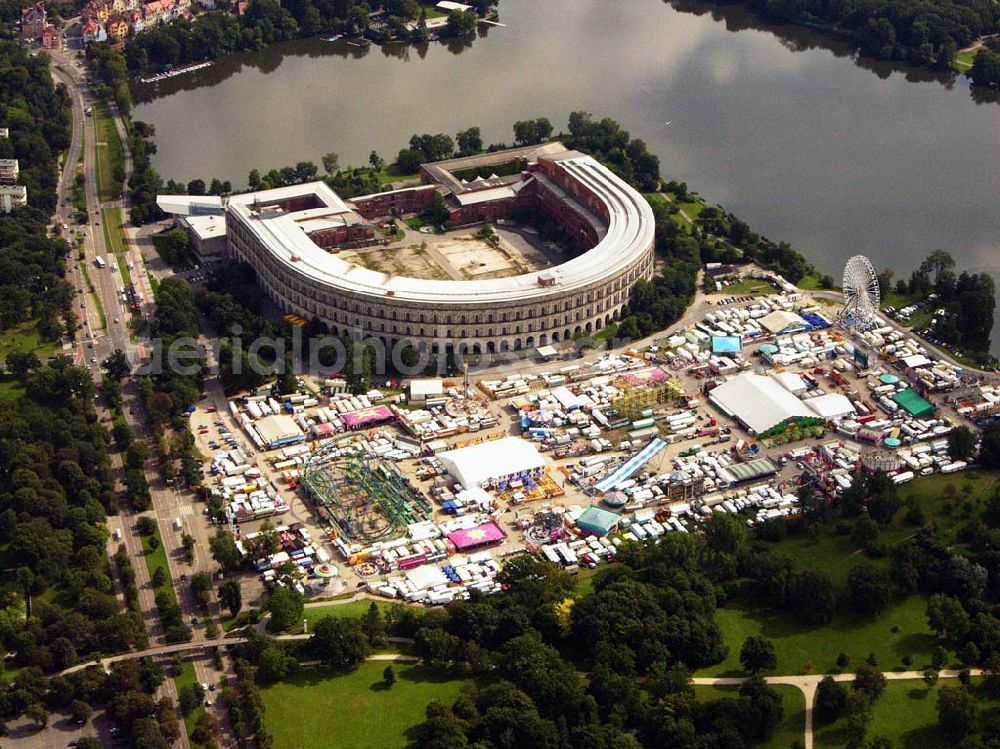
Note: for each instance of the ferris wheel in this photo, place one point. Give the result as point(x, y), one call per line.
point(861, 292)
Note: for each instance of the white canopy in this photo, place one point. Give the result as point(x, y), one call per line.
point(759, 402)
point(781, 320)
point(426, 576)
point(488, 462)
point(831, 406)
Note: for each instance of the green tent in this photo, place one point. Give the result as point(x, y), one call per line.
point(913, 404)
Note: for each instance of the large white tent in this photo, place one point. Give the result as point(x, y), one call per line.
point(831, 406)
point(758, 402)
point(782, 320)
point(491, 463)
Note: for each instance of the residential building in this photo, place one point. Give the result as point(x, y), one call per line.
point(117, 28)
point(12, 196)
point(33, 22)
point(94, 31)
point(9, 171)
point(51, 37)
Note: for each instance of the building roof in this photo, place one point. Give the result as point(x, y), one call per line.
point(479, 464)
point(206, 227)
point(190, 205)
point(831, 405)
point(791, 382)
point(759, 402)
point(911, 402)
point(915, 361)
point(781, 320)
point(426, 576)
point(427, 387)
point(598, 520)
point(276, 428)
point(451, 5)
point(622, 240)
point(480, 535)
point(726, 344)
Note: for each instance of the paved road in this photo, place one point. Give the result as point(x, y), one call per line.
point(106, 281)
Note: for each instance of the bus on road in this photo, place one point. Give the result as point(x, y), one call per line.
point(99, 261)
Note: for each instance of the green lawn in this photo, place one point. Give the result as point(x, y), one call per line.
point(10, 387)
point(793, 724)
point(24, 338)
point(300, 711)
point(804, 649)
point(946, 501)
point(157, 558)
point(187, 676)
point(906, 714)
point(94, 295)
point(346, 610)
point(748, 287)
point(431, 12)
point(109, 153)
point(963, 61)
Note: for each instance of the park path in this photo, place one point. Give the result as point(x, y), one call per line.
point(808, 683)
point(973, 47)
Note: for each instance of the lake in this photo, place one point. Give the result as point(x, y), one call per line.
point(791, 132)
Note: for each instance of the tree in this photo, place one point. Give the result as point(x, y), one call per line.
point(869, 680)
point(274, 664)
point(285, 606)
point(225, 551)
point(137, 454)
point(757, 654)
point(764, 709)
point(388, 677)
point(811, 596)
point(38, 715)
point(196, 187)
point(725, 534)
point(146, 525)
point(948, 618)
point(20, 363)
point(831, 700)
point(189, 696)
point(339, 642)
point(377, 162)
point(187, 543)
point(989, 450)
point(201, 588)
point(958, 716)
point(869, 589)
point(158, 578)
point(231, 596)
point(931, 676)
point(439, 210)
point(985, 69)
point(461, 23)
point(859, 713)
point(80, 711)
point(117, 365)
point(469, 141)
point(331, 163)
point(961, 443)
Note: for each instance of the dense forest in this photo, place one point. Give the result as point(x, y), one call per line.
point(924, 33)
point(32, 264)
point(986, 65)
point(963, 304)
point(56, 485)
point(267, 21)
